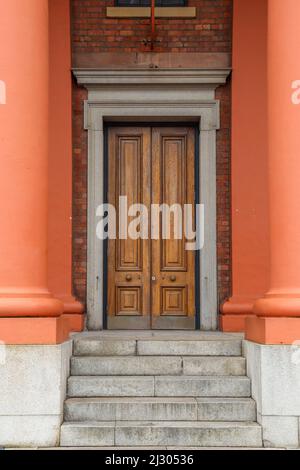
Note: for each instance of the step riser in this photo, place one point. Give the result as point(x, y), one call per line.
point(87, 436)
point(194, 437)
point(111, 387)
point(132, 412)
point(169, 411)
point(104, 348)
point(234, 366)
point(93, 436)
point(88, 347)
point(159, 386)
point(202, 387)
point(189, 348)
point(158, 366)
point(229, 410)
point(126, 366)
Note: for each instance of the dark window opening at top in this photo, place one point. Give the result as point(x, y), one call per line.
point(147, 3)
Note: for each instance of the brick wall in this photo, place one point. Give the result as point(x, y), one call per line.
point(79, 195)
point(209, 32)
point(223, 194)
point(93, 33)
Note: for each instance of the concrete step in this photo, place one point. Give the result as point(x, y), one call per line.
point(193, 386)
point(93, 346)
point(126, 365)
point(206, 365)
point(166, 433)
point(162, 346)
point(158, 365)
point(226, 409)
point(159, 409)
point(131, 409)
point(190, 348)
point(119, 386)
point(164, 386)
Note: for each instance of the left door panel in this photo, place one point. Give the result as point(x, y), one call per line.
point(128, 260)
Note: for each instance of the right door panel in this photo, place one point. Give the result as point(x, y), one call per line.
point(173, 267)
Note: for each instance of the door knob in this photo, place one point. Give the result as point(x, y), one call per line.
point(153, 278)
point(128, 277)
point(173, 278)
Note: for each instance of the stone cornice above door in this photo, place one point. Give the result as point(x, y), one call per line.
point(152, 76)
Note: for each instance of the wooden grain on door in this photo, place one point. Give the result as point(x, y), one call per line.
point(173, 267)
point(128, 299)
point(151, 282)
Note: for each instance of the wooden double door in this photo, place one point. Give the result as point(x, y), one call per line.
point(151, 277)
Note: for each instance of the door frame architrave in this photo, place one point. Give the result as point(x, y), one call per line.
point(176, 95)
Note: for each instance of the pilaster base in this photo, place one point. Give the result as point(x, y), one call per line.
point(275, 377)
point(234, 313)
point(71, 305)
point(33, 390)
point(268, 330)
point(233, 323)
point(35, 330)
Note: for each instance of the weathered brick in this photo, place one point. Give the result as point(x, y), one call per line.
point(210, 31)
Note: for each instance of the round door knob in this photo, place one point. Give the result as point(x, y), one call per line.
point(128, 277)
point(173, 278)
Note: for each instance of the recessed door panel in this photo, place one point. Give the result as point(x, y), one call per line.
point(173, 267)
point(128, 266)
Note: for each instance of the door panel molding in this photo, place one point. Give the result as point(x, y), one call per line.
point(187, 99)
point(178, 168)
point(173, 159)
point(128, 276)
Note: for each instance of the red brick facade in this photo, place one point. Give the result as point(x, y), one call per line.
point(79, 195)
point(92, 33)
point(223, 195)
point(210, 31)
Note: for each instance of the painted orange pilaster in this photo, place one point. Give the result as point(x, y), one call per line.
point(60, 157)
point(282, 301)
point(24, 69)
point(250, 245)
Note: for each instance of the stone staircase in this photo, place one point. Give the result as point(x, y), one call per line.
point(145, 389)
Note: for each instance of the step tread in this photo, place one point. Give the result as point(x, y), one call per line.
point(162, 424)
point(224, 400)
point(149, 358)
point(142, 377)
point(113, 400)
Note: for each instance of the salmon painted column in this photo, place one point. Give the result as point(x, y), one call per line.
point(249, 178)
point(60, 161)
point(278, 313)
point(28, 312)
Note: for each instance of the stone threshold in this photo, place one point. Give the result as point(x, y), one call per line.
point(173, 335)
